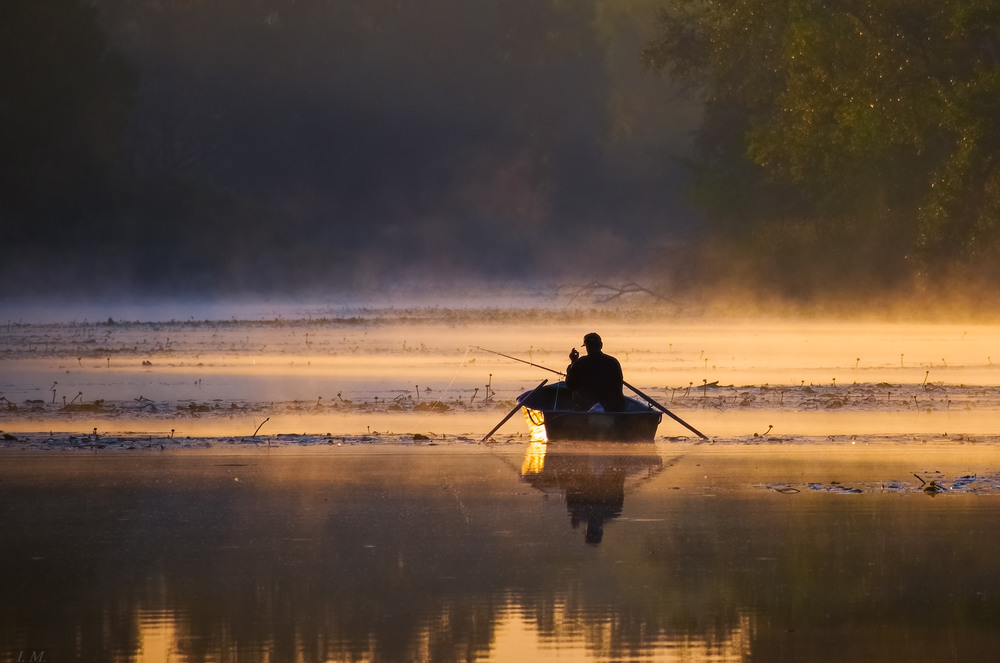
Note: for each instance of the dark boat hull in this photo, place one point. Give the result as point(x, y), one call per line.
point(548, 421)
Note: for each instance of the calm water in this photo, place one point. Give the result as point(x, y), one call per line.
point(513, 553)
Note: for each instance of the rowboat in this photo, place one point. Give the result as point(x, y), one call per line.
point(550, 415)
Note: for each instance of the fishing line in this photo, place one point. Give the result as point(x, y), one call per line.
point(455, 376)
point(444, 394)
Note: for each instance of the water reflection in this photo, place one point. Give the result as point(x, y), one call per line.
point(444, 554)
point(592, 477)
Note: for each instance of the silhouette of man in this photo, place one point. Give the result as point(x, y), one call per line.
point(595, 378)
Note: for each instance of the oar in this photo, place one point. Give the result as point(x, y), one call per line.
point(511, 413)
point(666, 411)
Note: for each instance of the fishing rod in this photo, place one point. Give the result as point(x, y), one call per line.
point(523, 361)
point(636, 391)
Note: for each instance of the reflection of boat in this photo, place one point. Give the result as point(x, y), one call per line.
point(551, 416)
point(592, 476)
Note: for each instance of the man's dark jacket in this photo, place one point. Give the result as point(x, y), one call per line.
point(596, 378)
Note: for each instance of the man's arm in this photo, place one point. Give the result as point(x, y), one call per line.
point(570, 381)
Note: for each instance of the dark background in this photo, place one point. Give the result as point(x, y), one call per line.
point(305, 147)
point(832, 155)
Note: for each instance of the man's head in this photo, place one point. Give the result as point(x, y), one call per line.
point(592, 342)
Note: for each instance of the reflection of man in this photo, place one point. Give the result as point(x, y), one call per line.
point(595, 379)
point(594, 499)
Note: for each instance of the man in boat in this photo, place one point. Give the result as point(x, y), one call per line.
point(595, 379)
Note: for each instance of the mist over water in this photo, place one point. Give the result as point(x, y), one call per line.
point(352, 368)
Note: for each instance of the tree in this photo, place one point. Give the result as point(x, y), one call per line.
point(64, 101)
point(864, 128)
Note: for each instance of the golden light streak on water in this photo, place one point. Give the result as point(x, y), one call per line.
point(716, 424)
point(572, 637)
point(517, 637)
point(534, 458)
point(157, 638)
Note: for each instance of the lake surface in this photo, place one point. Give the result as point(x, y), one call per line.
point(660, 552)
point(425, 371)
point(312, 487)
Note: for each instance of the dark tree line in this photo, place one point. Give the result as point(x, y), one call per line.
point(843, 144)
point(79, 212)
point(64, 103)
point(250, 145)
point(858, 138)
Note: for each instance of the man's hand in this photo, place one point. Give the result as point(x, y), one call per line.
point(573, 355)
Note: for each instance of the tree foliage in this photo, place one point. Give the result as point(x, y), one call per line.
point(862, 128)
